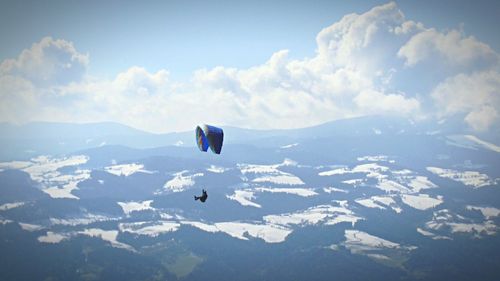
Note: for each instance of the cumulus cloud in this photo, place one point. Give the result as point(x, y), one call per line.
point(138, 81)
point(482, 118)
point(15, 92)
point(453, 47)
point(38, 83)
point(47, 63)
point(364, 41)
point(360, 65)
point(375, 102)
point(477, 96)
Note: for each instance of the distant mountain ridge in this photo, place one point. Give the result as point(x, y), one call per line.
point(59, 129)
point(28, 140)
point(25, 141)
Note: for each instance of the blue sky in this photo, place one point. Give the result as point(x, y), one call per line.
point(212, 51)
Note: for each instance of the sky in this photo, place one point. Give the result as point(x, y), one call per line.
point(165, 66)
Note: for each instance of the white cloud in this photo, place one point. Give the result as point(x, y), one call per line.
point(453, 46)
point(17, 98)
point(360, 63)
point(48, 62)
point(373, 102)
point(483, 118)
point(475, 95)
point(137, 80)
point(482, 143)
point(346, 42)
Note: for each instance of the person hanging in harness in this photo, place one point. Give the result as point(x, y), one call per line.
point(203, 197)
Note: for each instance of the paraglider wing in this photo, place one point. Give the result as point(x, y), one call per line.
point(201, 139)
point(209, 136)
point(215, 138)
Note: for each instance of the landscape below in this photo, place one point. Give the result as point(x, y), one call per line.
point(367, 198)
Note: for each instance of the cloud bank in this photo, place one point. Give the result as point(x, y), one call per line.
point(378, 62)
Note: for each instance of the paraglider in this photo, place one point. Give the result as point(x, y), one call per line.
point(203, 197)
point(209, 136)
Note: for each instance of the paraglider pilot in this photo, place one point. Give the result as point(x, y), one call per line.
point(203, 197)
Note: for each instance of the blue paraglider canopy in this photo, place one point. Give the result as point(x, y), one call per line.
point(209, 136)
